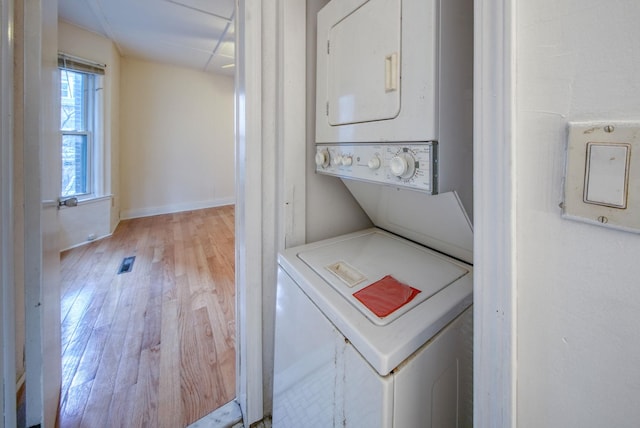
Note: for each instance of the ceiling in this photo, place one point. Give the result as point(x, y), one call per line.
point(196, 34)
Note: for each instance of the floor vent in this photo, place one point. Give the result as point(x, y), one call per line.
point(127, 265)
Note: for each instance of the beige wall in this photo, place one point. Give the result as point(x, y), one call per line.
point(96, 218)
point(177, 141)
point(578, 289)
point(160, 156)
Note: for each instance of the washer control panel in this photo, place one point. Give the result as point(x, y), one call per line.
point(410, 165)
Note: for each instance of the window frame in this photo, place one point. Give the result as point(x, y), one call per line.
point(93, 109)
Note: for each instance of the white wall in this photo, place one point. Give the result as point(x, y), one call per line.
point(97, 218)
point(88, 221)
point(177, 140)
point(578, 291)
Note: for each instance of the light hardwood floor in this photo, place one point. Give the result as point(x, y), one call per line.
point(154, 347)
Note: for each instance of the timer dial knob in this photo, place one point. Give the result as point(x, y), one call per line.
point(374, 163)
point(322, 158)
point(402, 165)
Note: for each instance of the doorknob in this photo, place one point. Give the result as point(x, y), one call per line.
point(68, 202)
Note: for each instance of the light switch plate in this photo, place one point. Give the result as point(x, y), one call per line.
point(602, 174)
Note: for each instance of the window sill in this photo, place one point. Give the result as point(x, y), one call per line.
point(94, 199)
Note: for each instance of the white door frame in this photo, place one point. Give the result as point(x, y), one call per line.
point(494, 211)
point(34, 323)
point(7, 296)
point(248, 124)
point(41, 176)
point(50, 189)
point(270, 179)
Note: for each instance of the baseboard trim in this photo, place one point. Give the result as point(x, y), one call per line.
point(86, 242)
point(175, 208)
point(227, 416)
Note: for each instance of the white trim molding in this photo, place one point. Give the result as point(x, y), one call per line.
point(173, 208)
point(31, 29)
point(249, 207)
point(494, 222)
point(292, 101)
point(7, 293)
point(270, 180)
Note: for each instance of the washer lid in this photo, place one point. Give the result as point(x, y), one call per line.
point(383, 346)
point(351, 265)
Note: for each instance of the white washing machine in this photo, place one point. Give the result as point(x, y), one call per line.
point(338, 364)
point(374, 329)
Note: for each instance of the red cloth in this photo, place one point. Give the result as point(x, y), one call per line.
point(386, 295)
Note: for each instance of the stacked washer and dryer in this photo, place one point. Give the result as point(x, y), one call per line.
point(375, 328)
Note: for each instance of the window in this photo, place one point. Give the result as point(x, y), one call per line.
point(80, 126)
point(76, 134)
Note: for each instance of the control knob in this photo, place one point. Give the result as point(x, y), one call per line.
point(402, 165)
point(336, 160)
point(374, 163)
point(322, 158)
point(347, 160)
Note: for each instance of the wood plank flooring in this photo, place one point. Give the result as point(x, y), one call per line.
point(154, 347)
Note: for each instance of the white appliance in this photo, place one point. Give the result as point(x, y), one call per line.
point(374, 328)
point(400, 71)
point(337, 363)
point(374, 82)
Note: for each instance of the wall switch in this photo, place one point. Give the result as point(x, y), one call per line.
point(606, 176)
point(602, 175)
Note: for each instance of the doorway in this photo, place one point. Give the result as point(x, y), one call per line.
point(289, 218)
point(180, 120)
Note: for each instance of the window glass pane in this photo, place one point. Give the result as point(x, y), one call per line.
point(74, 165)
point(73, 92)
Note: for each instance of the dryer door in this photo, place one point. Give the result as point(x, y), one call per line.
point(377, 68)
point(363, 64)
